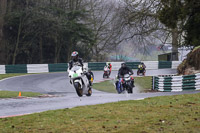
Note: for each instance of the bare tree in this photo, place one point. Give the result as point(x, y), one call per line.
point(144, 27)
point(141, 21)
point(105, 23)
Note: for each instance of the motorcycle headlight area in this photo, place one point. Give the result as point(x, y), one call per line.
point(126, 79)
point(75, 75)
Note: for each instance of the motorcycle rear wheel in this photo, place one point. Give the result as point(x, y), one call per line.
point(78, 88)
point(138, 73)
point(89, 92)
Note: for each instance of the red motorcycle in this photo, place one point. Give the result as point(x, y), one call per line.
point(106, 73)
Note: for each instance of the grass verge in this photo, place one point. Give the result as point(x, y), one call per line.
point(12, 94)
point(143, 83)
point(106, 86)
point(3, 76)
point(180, 113)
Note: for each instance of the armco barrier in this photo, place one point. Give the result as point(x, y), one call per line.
point(2, 69)
point(16, 68)
point(164, 64)
point(37, 68)
point(59, 67)
point(151, 64)
point(133, 65)
point(96, 65)
point(177, 83)
point(175, 64)
point(115, 65)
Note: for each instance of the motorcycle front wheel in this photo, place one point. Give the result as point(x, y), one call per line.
point(138, 72)
point(130, 90)
point(78, 88)
point(104, 75)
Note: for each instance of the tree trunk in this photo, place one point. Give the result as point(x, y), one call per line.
point(58, 46)
point(3, 7)
point(17, 42)
point(41, 53)
point(174, 45)
point(58, 53)
point(69, 51)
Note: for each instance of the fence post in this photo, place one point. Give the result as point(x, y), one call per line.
point(153, 83)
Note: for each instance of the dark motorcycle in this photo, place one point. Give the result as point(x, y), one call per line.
point(106, 73)
point(141, 70)
point(127, 84)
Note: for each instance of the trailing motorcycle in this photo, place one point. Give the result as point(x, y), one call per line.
point(141, 70)
point(126, 84)
point(106, 72)
point(80, 81)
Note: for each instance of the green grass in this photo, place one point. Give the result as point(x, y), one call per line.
point(13, 94)
point(166, 114)
point(106, 86)
point(143, 83)
point(3, 76)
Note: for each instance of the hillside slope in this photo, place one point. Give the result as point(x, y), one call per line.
point(191, 64)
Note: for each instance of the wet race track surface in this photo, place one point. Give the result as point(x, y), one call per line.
point(63, 94)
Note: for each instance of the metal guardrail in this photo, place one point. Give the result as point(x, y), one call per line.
point(164, 64)
point(39, 68)
point(96, 65)
point(176, 83)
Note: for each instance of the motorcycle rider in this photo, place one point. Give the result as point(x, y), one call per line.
point(143, 66)
point(121, 72)
point(110, 67)
point(76, 61)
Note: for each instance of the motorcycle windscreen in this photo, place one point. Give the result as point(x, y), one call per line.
point(75, 68)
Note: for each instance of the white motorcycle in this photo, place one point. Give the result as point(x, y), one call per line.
point(80, 81)
point(106, 72)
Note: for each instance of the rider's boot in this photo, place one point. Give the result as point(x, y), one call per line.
point(90, 82)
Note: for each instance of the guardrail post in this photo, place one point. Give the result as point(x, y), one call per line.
point(153, 85)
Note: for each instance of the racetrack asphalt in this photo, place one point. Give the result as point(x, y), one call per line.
point(64, 95)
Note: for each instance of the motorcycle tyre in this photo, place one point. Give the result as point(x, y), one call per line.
point(138, 73)
point(104, 75)
point(107, 76)
point(79, 91)
point(130, 90)
point(119, 90)
point(89, 92)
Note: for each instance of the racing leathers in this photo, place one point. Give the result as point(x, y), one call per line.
point(77, 62)
point(122, 71)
